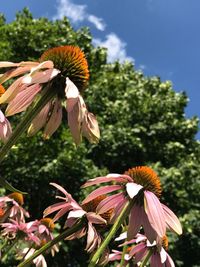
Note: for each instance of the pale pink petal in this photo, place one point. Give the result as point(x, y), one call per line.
point(7, 64)
point(22, 100)
point(44, 65)
point(109, 178)
point(90, 128)
point(54, 120)
point(155, 213)
point(12, 91)
point(76, 214)
point(163, 255)
point(171, 220)
point(95, 218)
point(133, 189)
point(40, 77)
point(116, 255)
point(40, 120)
point(28, 63)
point(5, 128)
point(137, 249)
point(90, 236)
point(101, 191)
point(134, 221)
point(71, 91)
point(109, 202)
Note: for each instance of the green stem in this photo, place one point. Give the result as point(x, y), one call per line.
point(123, 256)
point(26, 121)
point(51, 243)
point(146, 259)
point(112, 233)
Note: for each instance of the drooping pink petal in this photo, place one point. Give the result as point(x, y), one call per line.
point(116, 255)
point(44, 65)
point(117, 210)
point(76, 214)
point(133, 189)
point(137, 249)
point(40, 77)
point(40, 120)
point(63, 211)
point(23, 100)
point(155, 260)
point(7, 64)
point(101, 191)
point(172, 221)
point(71, 91)
point(90, 236)
point(134, 221)
point(54, 120)
point(74, 119)
point(169, 262)
point(150, 233)
point(109, 202)
point(155, 213)
point(95, 218)
point(5, 128)
point(109, 178)
point(90, 128)
point(12, 91)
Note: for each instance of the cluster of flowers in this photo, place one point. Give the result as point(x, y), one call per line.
point(131, 199)
point(23, 237)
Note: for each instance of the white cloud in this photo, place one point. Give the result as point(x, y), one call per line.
point(115, 46)
point(98, 22)
point(77, 13)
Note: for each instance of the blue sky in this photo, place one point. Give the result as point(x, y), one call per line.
point(160, 36)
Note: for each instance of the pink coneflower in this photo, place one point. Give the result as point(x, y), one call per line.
point(74, 213)
point(44, 233)
point(21, 230)
point(11, 207)
point(62, 71)
point(143, 185)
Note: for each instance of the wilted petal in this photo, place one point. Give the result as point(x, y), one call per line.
point(118, 210)
point(7, 64)
point(90, 236)
point(101, 191)
point(54, 120)
point(150, 233)
point(133, 189)
point(12, 91)
point(172, 221)
point(22, 100)
point(90, 128)
point(55, 207)
point(155, 213)
point(40, 77)
point(76, 214)
point(14, 73)
point(40, 120)
point(163, 255)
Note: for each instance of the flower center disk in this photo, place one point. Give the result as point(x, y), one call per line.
point(71, 61)
point(146, 177)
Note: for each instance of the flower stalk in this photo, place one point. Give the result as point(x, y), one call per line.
point(51, 243)
point(146, 259)
point(124, 213)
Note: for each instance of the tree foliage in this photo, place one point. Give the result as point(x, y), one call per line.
point(142, 122)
